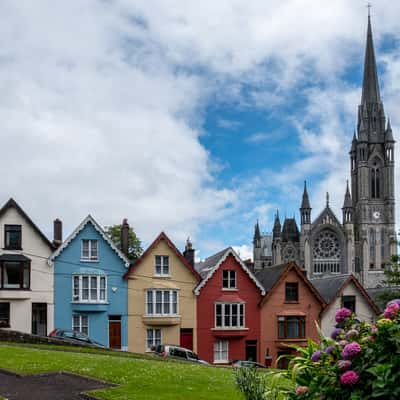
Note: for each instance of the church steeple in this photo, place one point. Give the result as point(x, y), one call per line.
point(305, 209)
point(347, 206)
point(370, 91)
point(371, 115)
point(257, 236)
point(276, 232)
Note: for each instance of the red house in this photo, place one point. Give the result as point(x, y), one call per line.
point(289, 311)
point(228, 313)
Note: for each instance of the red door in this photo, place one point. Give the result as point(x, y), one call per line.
point(114, 333)
point(187, 338)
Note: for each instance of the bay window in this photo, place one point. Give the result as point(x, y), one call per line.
point(160, 302)
point(229, 315)
point(15, 274)
point(89, 288)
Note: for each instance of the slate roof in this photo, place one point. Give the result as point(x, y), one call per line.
point(290, 232)
point(270, 275)
point(329, 286)
point(204, 267)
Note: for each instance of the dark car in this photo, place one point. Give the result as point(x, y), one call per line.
point(179, 353)
point(246, 364)
point(74, 337)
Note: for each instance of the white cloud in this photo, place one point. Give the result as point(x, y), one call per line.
point(102, 103)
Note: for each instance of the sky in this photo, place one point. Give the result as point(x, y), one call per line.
point(195, 118)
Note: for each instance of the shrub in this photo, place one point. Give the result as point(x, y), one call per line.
point(360, 361)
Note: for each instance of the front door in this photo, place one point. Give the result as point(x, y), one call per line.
point(39, 319)
point(187, 338)
point(251, 350)
point(114, 328)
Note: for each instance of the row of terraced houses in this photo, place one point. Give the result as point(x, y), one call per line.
point(219, 307)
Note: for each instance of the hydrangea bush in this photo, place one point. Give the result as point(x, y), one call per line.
point(360, 361)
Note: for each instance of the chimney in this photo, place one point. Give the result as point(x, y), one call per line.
point(57, 232)
point(189, 252)
point(125, 237)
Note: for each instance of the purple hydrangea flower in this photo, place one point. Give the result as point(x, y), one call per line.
point(396, 301)
point(344, 364)
point(316, 356)
point(391, 310)
point(342, 314)
point(349, 378)
point(336, 332)
point(329, 349)
point(351, 350)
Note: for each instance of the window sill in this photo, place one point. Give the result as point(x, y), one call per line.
point(291, 340)
point(15, 289)
point(89, 302)
point(13, 249)
point(230, 289)
point(162, 276)
point(230, 329)
point(86, 260)
point(376, 271)
point(291, 302)
point(221, 362)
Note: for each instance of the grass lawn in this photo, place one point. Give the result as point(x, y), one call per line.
point(139, 378)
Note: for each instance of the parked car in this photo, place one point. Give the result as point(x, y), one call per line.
point(179, 353)
point(246, 364)
point(75, 337)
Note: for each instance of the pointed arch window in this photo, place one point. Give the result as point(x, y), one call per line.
point(376, 180)
point(372, 247)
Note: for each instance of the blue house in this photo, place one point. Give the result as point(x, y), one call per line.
point(90, 294)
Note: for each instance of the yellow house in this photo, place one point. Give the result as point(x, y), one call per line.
point(161, 302)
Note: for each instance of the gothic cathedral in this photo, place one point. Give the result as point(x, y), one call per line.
point(365, 239)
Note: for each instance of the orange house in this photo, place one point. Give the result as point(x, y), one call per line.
point(289, 311)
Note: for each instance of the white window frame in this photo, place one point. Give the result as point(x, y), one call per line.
point(162, 273)
point(154, 330)
point(229, 272)
point(219, 350)
point(80, 324)
point(77, 293)
point(92, 243)
point(153, 294)
point(238, 314)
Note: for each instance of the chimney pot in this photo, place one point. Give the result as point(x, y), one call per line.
point(57, 232)
point(125, 237)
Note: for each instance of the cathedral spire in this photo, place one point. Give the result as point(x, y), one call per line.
point(370, 91)
point(277, 226)
point(347, 206)
point(257, 234)
point(305, 203)
point(305, 209)
point(347, 197)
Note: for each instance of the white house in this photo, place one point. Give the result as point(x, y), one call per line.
point(344, 291)
point(26, 279)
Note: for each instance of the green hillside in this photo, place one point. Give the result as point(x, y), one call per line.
point(138, 378)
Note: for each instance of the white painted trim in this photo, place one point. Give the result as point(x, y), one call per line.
point(99, 229)
point(215, 268)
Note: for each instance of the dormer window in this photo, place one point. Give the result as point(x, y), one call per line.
point(12, 237)
point(161, 266)
point(89, 250)
point(228, 279)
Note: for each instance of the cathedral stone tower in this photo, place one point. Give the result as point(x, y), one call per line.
point(364, 241)
point(372, 178)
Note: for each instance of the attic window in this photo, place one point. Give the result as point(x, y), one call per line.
point(291, 292)
point(12, 237)
point(349, 302)
point(229, 279)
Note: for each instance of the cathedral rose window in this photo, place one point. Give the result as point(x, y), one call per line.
point(327, 253)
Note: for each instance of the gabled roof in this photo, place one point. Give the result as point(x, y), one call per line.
point(11, 203)
point(331, 288)
point(326, 213)
point(271, 277)
point(90, 220)
point(170, 244)
point(210, 265)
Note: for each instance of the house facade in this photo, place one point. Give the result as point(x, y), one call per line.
point(161, 302)
point(289, 311)
point(90, 292)
point(228, 314)
point(26, 280)
point(344, 291)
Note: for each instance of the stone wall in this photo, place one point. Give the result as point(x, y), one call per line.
point(7, 335)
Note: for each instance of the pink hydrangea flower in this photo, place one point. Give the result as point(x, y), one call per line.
point(351, 350)
point(349, 378)
point(391, 310)
point(342, 314)
point(301, 390)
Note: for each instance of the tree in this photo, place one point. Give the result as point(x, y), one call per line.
point(391, 281)
point(134, 244)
